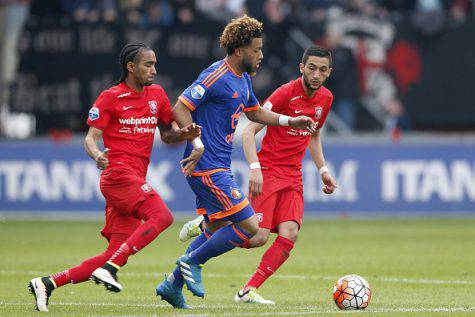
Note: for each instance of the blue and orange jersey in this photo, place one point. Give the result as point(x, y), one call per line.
point(216, 100)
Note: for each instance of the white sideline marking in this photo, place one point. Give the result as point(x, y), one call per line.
point(308, 310)
point(277, 276)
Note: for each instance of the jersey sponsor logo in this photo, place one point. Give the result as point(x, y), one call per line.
point(94, 113)
point(124, 95)
point(298, 111)
point(137, 121)
point(267, 105)
point(197, 92)
point(294, 132)
point(295, 98)
point(127, 107)
point(146, 188)
point(153, 106)
point(318, 112)
point(235, 95)
point(236, 193)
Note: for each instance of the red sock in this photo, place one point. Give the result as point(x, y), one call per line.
point(157, 218)
point(83, 271)
point(272, 259)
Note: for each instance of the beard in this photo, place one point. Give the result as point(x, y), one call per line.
point(247, 67)
point(308, 85)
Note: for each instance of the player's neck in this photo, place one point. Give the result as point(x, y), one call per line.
point(133, 85)
point(309, 92)
point(235, 65)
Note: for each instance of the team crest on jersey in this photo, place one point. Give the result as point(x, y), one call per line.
point(146, 188)
point(236, 193)
point(153, 106)
point(259, 216)
point(318, 112)
point(197, 92)
point(94, 113)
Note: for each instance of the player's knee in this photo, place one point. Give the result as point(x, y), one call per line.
point(259, 240)
point(162, 219)
point(167, 218)
point(289, 231)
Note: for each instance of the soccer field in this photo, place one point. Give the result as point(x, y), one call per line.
point(416, 267)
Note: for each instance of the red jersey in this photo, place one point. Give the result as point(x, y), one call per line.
point(128, 120)
point(283, 148)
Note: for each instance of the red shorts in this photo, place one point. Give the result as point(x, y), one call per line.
point(124, 192)
point(281, 200)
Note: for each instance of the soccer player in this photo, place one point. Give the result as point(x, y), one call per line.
point(125, 116)
point(275, 182)
point(215, 101)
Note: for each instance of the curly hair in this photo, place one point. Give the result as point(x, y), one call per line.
point(240, 32)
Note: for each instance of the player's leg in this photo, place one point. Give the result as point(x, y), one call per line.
point(156, 218)
point(42, 287)
point(286, 221)
point(170, 289)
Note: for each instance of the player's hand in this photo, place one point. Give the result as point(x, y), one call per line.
point(329, 184)
point(102, 159)
point(303, 122)
point(191, 161)
point(191, 131)
point(255, 182)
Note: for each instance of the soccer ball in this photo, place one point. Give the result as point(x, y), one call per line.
point(351, 292)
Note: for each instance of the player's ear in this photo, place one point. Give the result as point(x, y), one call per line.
point(301, 67)
point(238, 52)
point(130, 67)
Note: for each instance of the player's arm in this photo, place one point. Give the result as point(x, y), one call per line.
point(250, 151)
point(183, 118)
point(92, 148)
point(171, 133)
point(264, 116)
point(316, 153)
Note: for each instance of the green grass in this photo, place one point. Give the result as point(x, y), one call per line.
point(416, 267)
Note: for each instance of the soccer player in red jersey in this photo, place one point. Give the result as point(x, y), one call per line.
point(125, 116)
point(275, 182)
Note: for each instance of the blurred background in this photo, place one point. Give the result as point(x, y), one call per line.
point(400, 138)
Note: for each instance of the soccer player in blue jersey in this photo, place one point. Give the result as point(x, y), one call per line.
point(215, 101)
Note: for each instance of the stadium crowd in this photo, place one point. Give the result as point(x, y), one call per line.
point(359, 32)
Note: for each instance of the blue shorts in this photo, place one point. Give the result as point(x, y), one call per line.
point(218, 197)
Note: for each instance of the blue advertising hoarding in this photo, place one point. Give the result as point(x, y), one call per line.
point(401, 178)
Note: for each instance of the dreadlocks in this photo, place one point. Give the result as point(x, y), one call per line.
point(129, 53)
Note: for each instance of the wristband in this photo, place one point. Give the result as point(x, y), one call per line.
point(284, 120)
point(254, 165)
point(197, 143)
point(323, 170)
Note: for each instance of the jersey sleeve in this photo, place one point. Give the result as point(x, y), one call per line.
point(165, 116)
point(277, 101)
point(252, 102)
point(100, 112)
point(320, 119)
point(200, 91)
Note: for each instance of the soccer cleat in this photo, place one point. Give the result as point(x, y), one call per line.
point(251, 296)
point(41, 293)
point(191, 229)
point(107, 278)
point(171, 294)
point(191, 273)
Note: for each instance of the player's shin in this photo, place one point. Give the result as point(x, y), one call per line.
point(272, 259)
point(222, 241)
